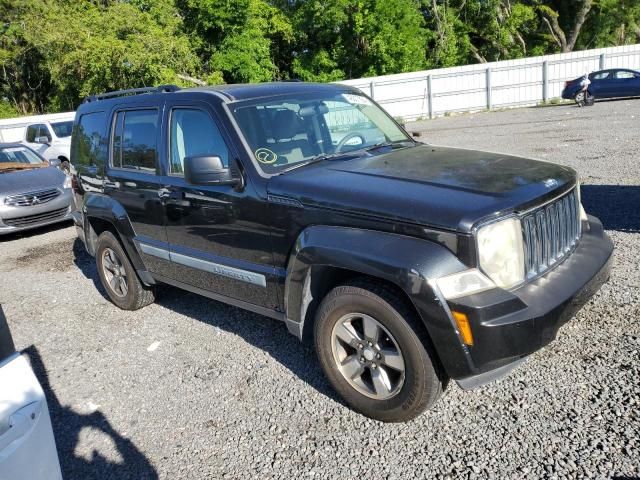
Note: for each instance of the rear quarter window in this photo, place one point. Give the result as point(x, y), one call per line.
point(89, 143)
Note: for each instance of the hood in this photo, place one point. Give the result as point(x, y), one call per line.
point(19, 181)
point(428, 185)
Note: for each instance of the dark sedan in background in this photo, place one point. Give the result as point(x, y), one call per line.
point(32, 192)
point(612, 83)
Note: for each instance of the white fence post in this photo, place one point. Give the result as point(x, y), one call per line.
point(545, 81)
point(488, 81)
point(603, 57)
point(372, 89)
point(430, 96)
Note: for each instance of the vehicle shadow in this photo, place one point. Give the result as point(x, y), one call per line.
point(617, 206)
point(262, 332)
point(67, 427)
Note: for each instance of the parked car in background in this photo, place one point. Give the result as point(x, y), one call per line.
point(406, 264)
point(32, 192)
point(611, 83)
point(27, 444)
point(49, 135)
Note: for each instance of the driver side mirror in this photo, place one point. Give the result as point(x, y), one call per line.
point(208, 170)
point(43, 140)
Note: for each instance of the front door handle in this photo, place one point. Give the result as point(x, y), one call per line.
point(20, 423)
point(168, 193)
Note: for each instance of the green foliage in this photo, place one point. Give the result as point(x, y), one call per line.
point(55, 52)
point(7, 110)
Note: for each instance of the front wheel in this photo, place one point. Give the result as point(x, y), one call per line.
point(375, 353)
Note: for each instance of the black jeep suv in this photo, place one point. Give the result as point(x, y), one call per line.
point(405, 263)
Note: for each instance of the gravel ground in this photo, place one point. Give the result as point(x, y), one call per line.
point(192, 388)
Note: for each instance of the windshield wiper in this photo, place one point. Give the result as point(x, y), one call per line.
point(388, 144)
point(316, 159)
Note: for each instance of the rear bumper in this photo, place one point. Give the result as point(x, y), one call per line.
point(508, 326)
point(17, 219)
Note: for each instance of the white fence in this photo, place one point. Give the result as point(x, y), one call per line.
point(509, 83)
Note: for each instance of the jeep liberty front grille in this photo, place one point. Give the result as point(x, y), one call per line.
point(550, 233)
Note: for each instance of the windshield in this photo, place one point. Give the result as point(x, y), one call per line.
point(285, 131)
point(21, 155)
point(62, 129)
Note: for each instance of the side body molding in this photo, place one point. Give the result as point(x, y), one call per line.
point(102, 207)
point(407, 262)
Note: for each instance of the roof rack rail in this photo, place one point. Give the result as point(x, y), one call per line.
point(131, 91)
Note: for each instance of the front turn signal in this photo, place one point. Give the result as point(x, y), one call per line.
point(462, 321)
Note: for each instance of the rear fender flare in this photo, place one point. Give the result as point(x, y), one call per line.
point(102, 207)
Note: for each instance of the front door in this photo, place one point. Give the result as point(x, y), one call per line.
point(218, 235)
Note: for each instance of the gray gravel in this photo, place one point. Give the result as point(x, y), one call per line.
point(192, 388)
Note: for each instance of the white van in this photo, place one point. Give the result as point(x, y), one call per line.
point(49, 135)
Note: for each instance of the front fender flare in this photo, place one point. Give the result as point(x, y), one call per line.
point(407, 262)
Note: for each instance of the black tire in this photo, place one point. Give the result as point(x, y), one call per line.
point(424, 380)
point(580, 98)
point(136, 295)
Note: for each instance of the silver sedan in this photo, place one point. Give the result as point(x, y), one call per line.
point(32, 192)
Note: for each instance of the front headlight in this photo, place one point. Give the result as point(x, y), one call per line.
point(501, 252)
point(67, 182)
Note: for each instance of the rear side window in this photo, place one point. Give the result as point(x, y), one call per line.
point(135, 140)
point(601, 75)
point(193, 132)
point(89, 142)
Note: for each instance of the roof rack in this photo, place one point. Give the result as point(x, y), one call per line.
point(132, 91)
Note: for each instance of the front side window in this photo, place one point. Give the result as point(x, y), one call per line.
point(283, 131)
point(19, 155)
point(62, 129)
point(135, 140)
point(601, 76)
point(621, 74)
point(32, 133)
point(193, 132)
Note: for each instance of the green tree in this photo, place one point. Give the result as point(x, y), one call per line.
point(237, 40)
point(353, 38)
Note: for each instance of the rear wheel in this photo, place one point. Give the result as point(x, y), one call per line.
point(374, 351)
point(118, 276)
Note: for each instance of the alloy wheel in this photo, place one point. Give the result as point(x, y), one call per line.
point(367, 356)
point(114, 272)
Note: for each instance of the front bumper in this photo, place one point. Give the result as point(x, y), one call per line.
point(508, 326)
point(16, 219)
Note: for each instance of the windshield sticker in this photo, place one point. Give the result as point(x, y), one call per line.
point(356, 99)
point(266, 156)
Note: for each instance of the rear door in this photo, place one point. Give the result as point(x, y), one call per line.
point(27, 445)
point(219, 236)
point(132, 178)
point(600, 84)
